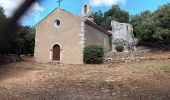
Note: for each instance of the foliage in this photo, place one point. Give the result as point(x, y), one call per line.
point(98, 17)
point(20, 41)
point(148, 26)
point(115, 13)
point(2, 16)
point(153, 26)
point(28, 35)
point(119, 48)
point(93, 54)
point(2, 20)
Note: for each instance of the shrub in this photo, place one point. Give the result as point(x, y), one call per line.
point(93, 54)
point(119, 48)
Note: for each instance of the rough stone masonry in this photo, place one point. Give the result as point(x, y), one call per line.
point(122, 34)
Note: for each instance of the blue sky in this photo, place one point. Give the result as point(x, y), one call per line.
point(41, 9)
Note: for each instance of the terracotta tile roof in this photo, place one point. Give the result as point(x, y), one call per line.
point(97, 27)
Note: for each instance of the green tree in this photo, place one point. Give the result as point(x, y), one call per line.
point(2, 42)
point(144, 26)
point(153, 26)
point(115, 13)
point(98, 17)
point(162, 18)
point(21, 41)
point(2, 16)
point(29, 40)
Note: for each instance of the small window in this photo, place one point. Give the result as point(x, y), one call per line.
point(57, 23)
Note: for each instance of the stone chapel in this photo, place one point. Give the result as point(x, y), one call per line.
point(61, 36)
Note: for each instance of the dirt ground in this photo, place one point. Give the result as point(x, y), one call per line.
point(27, 80)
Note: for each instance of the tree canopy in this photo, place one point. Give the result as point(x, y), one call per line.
point(2, 15)
point(153, 26)
point(148, 26)
point(20, 41)
point(114, 13)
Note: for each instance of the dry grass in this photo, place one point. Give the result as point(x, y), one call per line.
point(147, 80)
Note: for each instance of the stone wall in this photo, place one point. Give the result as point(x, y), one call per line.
point(122, 34)
point(94, 36)
point(125, 56)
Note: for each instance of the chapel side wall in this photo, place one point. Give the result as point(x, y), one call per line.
point(94, 36)
point(67, 36)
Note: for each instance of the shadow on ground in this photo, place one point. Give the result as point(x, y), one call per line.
point(125, 81)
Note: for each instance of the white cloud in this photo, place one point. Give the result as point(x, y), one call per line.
point(34, 12)
point(97, 3)
point(11, 5)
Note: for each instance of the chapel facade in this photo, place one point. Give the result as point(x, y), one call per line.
point(61, 36)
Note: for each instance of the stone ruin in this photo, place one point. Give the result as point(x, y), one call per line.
point(122, 34)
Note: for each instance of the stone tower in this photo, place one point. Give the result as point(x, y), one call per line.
point(86, 12)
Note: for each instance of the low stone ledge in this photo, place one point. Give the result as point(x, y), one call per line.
point(145, 58)
point(122, 55)
point(131, 56)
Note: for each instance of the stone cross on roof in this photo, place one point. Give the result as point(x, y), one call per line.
point(59, 2)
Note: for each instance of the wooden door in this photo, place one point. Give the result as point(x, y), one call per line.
point(56, 52)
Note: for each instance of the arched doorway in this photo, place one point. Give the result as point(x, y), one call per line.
point(56, 52)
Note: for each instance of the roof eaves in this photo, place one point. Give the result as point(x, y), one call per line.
point(97, 27)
